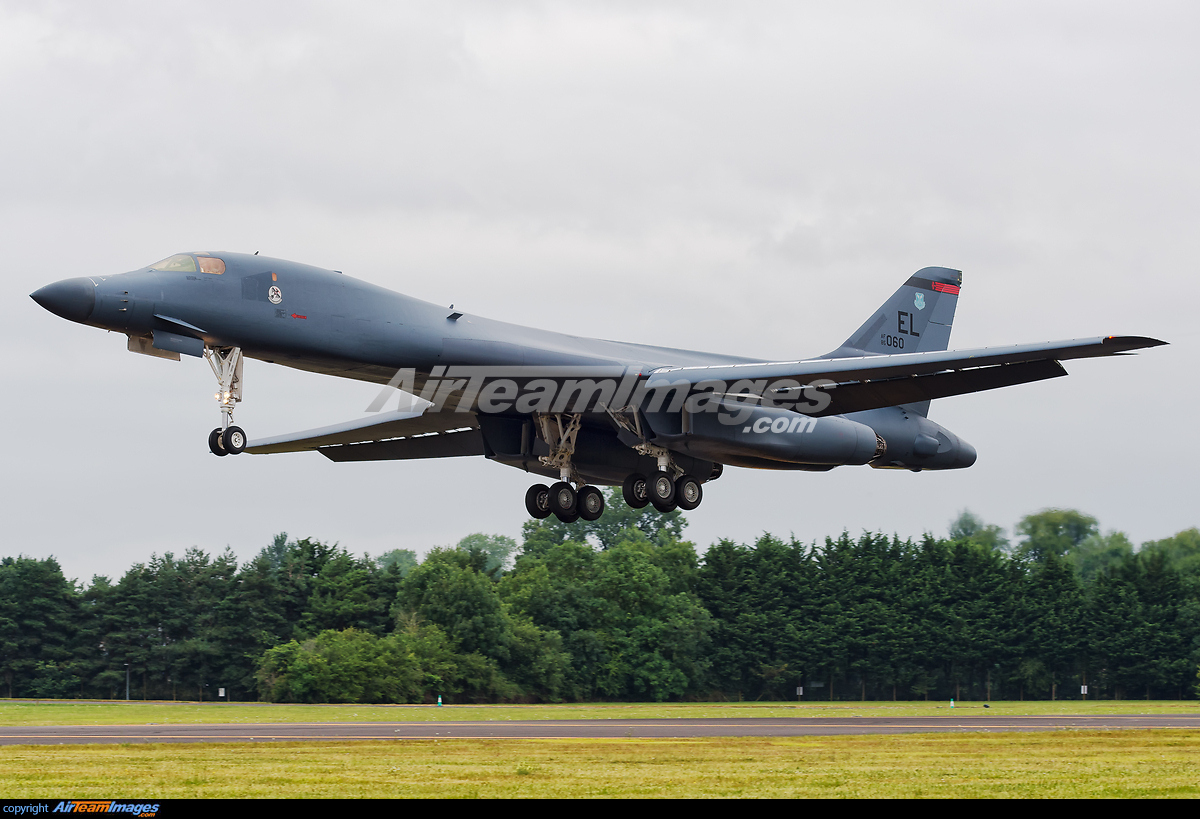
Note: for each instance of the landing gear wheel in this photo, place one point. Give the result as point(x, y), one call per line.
point(562, 499)
point(688, 493)
point(214, 443)
point(571, 518)
point(590, 503)
point(233, 440)
point(636, 491)
point(537, 501)
point(662, 491)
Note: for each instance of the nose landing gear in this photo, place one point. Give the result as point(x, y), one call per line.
point(226, 363)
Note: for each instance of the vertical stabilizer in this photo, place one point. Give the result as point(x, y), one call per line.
point(916, 319)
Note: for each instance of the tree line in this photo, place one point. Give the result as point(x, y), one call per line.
point(624, 608)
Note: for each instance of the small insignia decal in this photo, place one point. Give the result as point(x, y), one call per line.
point(919, 301)
point(274, 295)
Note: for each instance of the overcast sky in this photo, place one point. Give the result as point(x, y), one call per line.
point(751, 178)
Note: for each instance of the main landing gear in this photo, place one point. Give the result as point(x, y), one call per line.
point(667, 489)
point(562, 499)
point(666, 493)
point(564, 502)
point(226, 363)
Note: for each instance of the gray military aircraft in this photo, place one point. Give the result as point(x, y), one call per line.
point(659, 422)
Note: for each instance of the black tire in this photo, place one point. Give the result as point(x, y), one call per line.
point(233, 440)
point(636, 491)
point(667, 507)
point(214, 443)
point(661, 489)
point(571, 518)
point(562, 499)
point(688, 493)
point(590, 503)
point(537, 501)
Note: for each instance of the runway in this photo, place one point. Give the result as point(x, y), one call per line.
point(580, 729)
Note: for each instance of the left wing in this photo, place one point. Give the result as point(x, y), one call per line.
point(400, 435)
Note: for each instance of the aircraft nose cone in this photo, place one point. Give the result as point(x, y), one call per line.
point(72, 299)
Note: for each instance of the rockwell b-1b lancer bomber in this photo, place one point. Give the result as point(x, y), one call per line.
point(658, 421)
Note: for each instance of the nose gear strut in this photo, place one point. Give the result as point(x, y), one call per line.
point(226, 363)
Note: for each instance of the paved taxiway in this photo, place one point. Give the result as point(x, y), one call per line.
point(561, 729)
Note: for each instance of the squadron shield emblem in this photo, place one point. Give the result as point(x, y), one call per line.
point(274, 295)
point(919, 301)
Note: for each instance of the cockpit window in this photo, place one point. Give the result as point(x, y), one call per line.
point(211, 264)
point(180, 262)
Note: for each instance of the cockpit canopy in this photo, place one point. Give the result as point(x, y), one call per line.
point(191, 263)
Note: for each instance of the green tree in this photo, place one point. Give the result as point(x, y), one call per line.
point(1182, 551)
point(969, 526)
point(341, 666)
point(1053, 531)
point(1099, 552)
point(627, 615)
point(502, 655)
point(405, 560)
point(498, 548)
point(760, 600)
point(1052, 640)
point(343, 595)
point(38, 618)
point(1137, 635)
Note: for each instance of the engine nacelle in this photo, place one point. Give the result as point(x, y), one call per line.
point(766, 438)
point(914, 442)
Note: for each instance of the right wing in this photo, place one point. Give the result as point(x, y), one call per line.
point(872, 381)
point(400, 435)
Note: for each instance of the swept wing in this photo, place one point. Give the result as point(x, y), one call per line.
point(873, 381)
point(400, 435)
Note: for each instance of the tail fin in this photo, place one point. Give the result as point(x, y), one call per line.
point(916, 319)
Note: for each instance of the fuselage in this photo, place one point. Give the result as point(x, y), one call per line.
point(323, 321)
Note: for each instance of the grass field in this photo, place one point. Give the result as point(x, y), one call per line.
point(1160, 763)
point(70, 712)
point(1129, 763)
